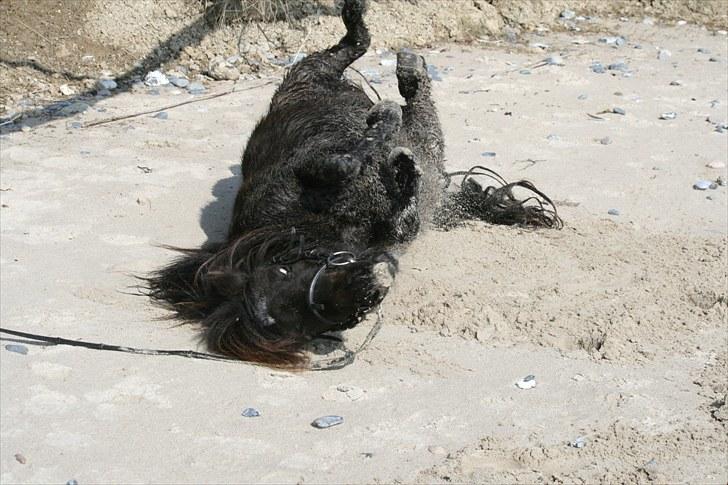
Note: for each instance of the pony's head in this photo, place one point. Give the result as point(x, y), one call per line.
point(261, 297)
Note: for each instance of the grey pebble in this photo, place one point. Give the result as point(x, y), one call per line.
point(250, 413)
point(703, 50)
point(525, 71)
point(670, 115)
point(75, 125)
point(555, 60)
point(613, 212)
point(619, 111)
point(567, 14)
point(103, 93)
point(108, 84)
point(720, 181)
point(598, 68)
point(618, 66)
point(713, 59)
point(702, 185)
point(676, 83)
point(180, 82)
point(72, 481)
point(663, 54)
point(433, 73)
point(327, 421)
point(487, 154)
point(714, 103)
point(18, 349)
point(582, 97)
point(162, 115)
point(579, 442)
point(606, 141)
point(195, 88)
point(552, 137)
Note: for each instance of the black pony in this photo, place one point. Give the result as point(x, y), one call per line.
point(331, 183)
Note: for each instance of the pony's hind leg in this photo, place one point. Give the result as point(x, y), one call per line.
point(322, 68)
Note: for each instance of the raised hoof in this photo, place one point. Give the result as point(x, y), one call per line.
point(411, 73)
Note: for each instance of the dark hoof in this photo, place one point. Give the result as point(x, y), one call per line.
point(407, 173)
point(411, 73)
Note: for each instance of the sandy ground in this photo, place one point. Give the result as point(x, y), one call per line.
point(622, 319)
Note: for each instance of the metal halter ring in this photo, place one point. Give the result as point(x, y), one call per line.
point(339, 258)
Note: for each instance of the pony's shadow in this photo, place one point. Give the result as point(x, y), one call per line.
point(215, 217)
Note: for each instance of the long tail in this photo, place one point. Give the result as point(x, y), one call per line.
point(496, 204)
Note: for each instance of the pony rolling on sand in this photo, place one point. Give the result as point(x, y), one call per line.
point(331, 183)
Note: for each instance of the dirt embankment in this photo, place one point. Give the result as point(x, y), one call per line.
point(47, 44)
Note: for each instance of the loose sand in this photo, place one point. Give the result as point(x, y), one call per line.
point(622, 319)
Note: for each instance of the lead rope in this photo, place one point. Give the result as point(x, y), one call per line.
point(325, 364)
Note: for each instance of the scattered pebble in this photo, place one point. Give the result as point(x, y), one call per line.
point(670, 115)
point(606, 141)
point(155, 78)
point(567, 14)
point(433, 73)
point(222, 70)
point(327, 422)
point(162, 115)
point(681, 22)
point(715, 103)
point(716, 165)
point(618, 66)
point(250, 413)
point(75, 125)
point(528, 382)
point(703, 50)
point(72, 481)
point(613, 212)
point(720, 181)
point(18, 349)
point(676, 83)
point(577, 377)
point(663, 54)
point(179, 82)
point(615, 41)
point(555, 60)
point(579, 442)
point(713, 59)
point(619, 111)
point(525, 71)
point(20, 458)
point(598, 68)
point(108, 84)
point(66, 90)
point(195, 88)
point(25, 128)
point(552, 137)
point(582, 97)
point(702, 185)
point(539, 45)
point(487, 154)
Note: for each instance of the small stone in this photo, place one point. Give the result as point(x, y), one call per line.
point(195, 88)
point(433, 73)
point(721, 181)
point(619, 111)
point(681, 23)
point(713, 59)
point(66, 90)
point(155, 78)
point(162, 115)
point(102, 93)
point(108, 84)
point(613, 212)
point(606, 141)
point(715, 165)
point(552, 137)
point(615, 41)
point(582, 97)
point(179, 82)
point(618, 66)
point(437, 450)
point(487, 154)
point(75, 125)
point(74, 108)
point(221, 70)
point(598, 68)
point(577, 377)
point(327, 422)
point(20, 458)
point(528, 382)
point(670, 115)
point(567, 14)
point(250, 413)
point(18, 349)
point(579, 442)
point(524, 71)
point(676, 83)
point(702, 185)
point(539, 45)
point(72, 481)
point(555, 60)
point(703, 50)
point(25, 128)
point(663, 54)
